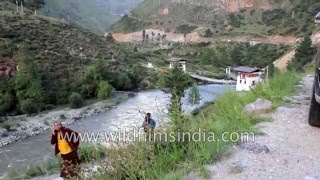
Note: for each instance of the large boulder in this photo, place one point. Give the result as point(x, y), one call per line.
point(260, 106)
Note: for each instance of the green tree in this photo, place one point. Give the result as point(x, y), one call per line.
point(76, 100)
point(177, 82)
point(110, 38)
point(137, 74)
point(208, 33)
point(35, 4)
point(194, 96)
point(28, 83)
point(124, 82)
point(271, 70)
point(135, 49)
point(90, 78)
point(89, 82)
point(105, 90)
point(304, 55)
point(144, 35)
point(7, 98)
point(234, 21)
point(236, 56)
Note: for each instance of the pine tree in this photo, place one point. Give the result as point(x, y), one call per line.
point(194, 96)
point(304, 55)
point(110, 38)
point(177, 82)
point(7, 98)
point(28, 84)
point(144, 35)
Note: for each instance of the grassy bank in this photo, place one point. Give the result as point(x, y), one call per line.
point(172, 160)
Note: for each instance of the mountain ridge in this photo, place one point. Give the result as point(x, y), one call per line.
point(222, 17)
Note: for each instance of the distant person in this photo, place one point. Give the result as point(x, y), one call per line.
point(148, 125)
point(66, 144)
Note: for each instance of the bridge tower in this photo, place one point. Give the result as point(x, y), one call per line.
point(228, 70)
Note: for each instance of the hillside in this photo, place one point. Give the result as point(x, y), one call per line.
point(82, 12)
point(95, 15)
point(59, 56)
point(222, 17)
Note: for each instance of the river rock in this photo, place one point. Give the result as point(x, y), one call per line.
point(131, 94)
point(260, 106)
point(3, 132)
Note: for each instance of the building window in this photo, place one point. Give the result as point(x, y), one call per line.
point(245, 82)
point(240, 81)
point(253, 83)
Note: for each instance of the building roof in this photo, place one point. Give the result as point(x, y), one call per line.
point(246, 69)
point(318, 16)
point(173, 59)
point(317, 19)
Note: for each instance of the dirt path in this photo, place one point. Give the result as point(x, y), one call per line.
point(195, 37)
point(289, 148)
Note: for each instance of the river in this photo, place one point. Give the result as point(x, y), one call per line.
point(37, 149)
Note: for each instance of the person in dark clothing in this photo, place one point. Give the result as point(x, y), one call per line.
point(148, 125)
point(66, 143)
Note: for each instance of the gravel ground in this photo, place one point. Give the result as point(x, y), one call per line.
point(289, 148)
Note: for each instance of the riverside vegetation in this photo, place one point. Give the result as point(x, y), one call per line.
point(172, 160)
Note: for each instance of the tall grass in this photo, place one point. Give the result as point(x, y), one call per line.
point(171, 160)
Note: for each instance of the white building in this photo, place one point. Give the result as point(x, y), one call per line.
point(247, 77)
point(150, 64)
point(182, 64)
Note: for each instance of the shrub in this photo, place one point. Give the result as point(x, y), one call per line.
point(34, 171)
point(105, 90)
point(75, 100)
point(29, 106)
point(7, 127)
point(89, 152)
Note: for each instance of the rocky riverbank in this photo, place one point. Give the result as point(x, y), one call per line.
point(25, 126)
